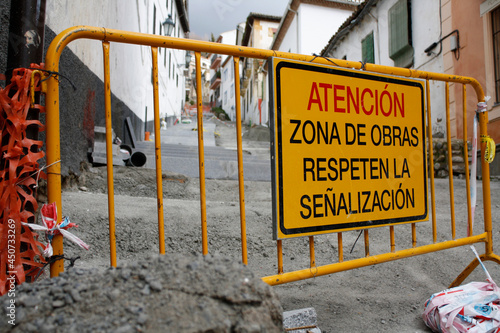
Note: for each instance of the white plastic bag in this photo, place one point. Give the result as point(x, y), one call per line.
point(474, 308)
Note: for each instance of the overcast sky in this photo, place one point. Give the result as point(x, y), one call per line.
point(216, 16)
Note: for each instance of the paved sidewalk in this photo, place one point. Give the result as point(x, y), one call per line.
point(187, 134)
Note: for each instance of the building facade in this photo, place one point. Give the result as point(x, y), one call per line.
point(476, 25)
point(259, 32)
point(128, 81)
point(222, 73)
point(371, 35)
point(227, 77)
point(131, 69)
point(307, 25)
point(191, 96)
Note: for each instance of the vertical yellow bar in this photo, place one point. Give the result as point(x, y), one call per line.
point(312, 258)
point(367, 242)
point(109, 155)
point(450, 163)
point(431, 166)
point(159, 183)
point(466, 159)
point(53, 143)
point(241, 181)
point(485, 173)
point(414, 235)
point(341, 247)
point(392, 238)
point(201, 155)
point(280, 256)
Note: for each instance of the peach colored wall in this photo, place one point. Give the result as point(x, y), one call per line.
point(466, 18)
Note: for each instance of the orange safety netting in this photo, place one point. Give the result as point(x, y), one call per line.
point(19, 155)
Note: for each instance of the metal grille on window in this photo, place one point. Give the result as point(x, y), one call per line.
point(495, 18)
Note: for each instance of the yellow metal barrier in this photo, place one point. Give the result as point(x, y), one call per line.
point(109, 35)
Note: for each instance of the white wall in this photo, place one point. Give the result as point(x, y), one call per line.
point(130, 65)
point(227, 89)
point(229, 37)
point(262, 37)
point(317, 24)
point(425, 31)
point(289, 43)
point(227, 77)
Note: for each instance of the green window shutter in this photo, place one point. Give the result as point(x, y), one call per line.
point(400, 48)
point(367, 49)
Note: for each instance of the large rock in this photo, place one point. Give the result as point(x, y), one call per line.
point(168, 293)
point(257, 133)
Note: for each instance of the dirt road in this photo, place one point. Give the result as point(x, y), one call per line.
point(386, 297)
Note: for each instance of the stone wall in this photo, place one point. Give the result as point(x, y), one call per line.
point(440, 150)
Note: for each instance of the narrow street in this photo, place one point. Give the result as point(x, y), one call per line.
point(179, 145)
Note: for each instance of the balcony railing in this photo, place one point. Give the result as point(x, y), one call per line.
point(216, 60)
point(215, 82)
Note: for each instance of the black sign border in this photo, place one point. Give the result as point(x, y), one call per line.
point(283, 63)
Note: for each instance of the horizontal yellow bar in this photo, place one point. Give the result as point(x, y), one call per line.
point(113, 35)
point(368, 261)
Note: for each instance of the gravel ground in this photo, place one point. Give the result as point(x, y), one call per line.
point(387, 297)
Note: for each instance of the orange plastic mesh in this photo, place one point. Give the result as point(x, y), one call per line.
point(19, 156)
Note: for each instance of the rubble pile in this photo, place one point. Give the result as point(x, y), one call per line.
point(169, 293)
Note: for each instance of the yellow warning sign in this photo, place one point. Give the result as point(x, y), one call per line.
point(348, 147)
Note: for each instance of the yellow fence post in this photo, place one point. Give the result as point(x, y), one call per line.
point(241, 182)
point(159, 177)
point(109, 155)
point(201, 155)
point(450, 162)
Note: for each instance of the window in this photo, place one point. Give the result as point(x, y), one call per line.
point(495, 27)
point(175, 23)
point(367, 51)
point(169, 63)
point(246, 102)
point(232, 90)
point(225, 97)
point(159, 49)
point(400, 41)
point(251, 89)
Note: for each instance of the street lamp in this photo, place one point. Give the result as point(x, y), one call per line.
point(193, 77)
point(168, 26)
point(188, 58)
